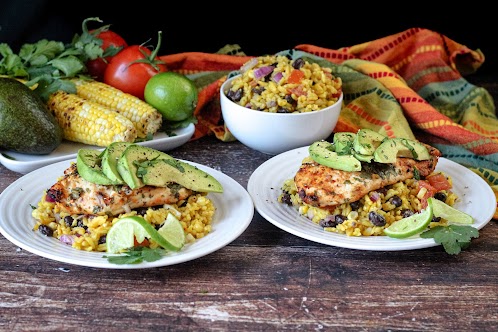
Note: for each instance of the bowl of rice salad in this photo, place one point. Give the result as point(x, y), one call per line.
point(275, 104)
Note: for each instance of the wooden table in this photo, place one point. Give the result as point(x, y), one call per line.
point(264, 280)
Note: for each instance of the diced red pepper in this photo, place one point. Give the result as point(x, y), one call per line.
point(295, 76)
point(298, 90)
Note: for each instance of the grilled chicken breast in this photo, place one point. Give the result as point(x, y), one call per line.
point(75, 195)
point(325, 187)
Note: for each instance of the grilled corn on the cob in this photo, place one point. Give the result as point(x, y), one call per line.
point(147, 119)
point(88, 122)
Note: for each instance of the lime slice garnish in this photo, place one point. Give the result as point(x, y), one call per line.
point(122, 234)
point(172, 233)
point(449, 213)
point(411, 225)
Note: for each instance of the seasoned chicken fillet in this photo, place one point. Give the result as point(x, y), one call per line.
point(75, 195)
point(325, 187)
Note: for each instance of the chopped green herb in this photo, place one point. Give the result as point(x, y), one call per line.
point(137, 255)
point(454, 238)
point(416, 173)
point(47, 64)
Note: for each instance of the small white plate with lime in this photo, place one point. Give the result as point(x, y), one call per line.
point(234, 212)
point(476, 198)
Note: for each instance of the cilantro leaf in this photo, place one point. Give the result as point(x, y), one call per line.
point(136, 255)
point(49, 63)
point(454, 238)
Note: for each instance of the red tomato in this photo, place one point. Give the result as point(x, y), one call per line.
point(112, 43)
point(144, 243)
point(132, 67)
point(439, 182)
point(430, 191)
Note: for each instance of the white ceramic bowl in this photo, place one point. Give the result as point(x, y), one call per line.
point(274, 133)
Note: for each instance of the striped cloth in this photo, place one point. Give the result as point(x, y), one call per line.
point(409, 84)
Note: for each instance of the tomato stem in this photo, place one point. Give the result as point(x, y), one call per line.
point(158, 46)
point(151, 59)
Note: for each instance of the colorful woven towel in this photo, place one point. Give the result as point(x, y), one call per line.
point(409, 84)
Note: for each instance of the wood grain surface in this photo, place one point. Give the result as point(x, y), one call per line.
point(265, 280)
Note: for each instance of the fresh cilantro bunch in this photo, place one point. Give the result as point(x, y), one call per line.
point(454, 238)
point(137, 255)
point(47, 64)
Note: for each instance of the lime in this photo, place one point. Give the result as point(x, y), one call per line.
point(172, 231)
point(411, 225)
point(122, 234)
point(449, 213)
point(174, 95)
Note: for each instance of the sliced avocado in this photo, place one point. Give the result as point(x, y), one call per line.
point(392, 148)
point(131, 157)
point(160, 172)
point(362, 157)
point(88, 162)
point(26, 124)
point(322, 152)
point(343, 142)
point(366, 141)
point(110, 159)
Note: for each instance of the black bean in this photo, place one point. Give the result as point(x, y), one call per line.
point(355, 206)
point(68, 220)
point(376, 219)
point(102, 239)
point(298, 63)
point(290, 100)
point(45, 230)
point(142, 211)
point(235, 95)
point(339, 219)
point(286, 198)
point(405, 213)
point(281, 109)
point(382, 190)
point(396, 201)
point(258, 90)
point(81, 224)
point(436, 219)
point(440, 196)
point(328, 221)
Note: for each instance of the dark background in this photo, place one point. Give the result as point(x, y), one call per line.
point(258, 27)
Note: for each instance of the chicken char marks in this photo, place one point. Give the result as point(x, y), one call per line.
point(75, 195)
point(325, 187)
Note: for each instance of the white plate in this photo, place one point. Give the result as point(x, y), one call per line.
point(25, 163)
point(234, 212)
point(264, 186)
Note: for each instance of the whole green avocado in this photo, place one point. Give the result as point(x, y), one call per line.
point(26, 124)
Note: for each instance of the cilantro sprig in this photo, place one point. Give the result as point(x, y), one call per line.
point(137, 255)
point(47, 64)
point(454, 238)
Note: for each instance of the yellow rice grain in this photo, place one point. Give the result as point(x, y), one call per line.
point(318, 87)
point(195, 215)
point(357, 222)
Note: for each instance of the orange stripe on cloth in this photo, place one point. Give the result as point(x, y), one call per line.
point(195, 62)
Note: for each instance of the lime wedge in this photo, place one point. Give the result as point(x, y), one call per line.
point(172, 233)
point(412, 225)
point(452, 215)
point(122, 234)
